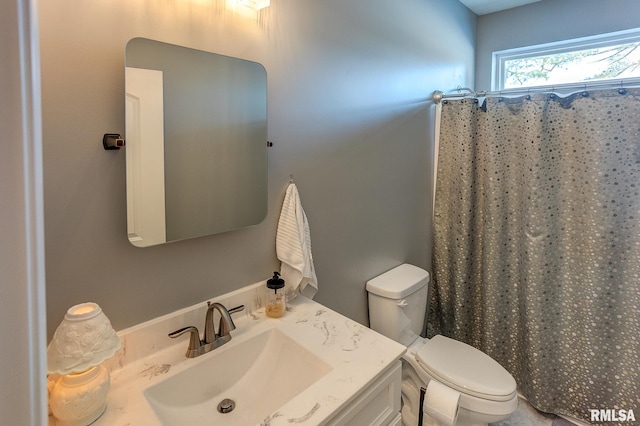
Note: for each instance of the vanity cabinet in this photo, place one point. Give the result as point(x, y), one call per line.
point(378, 404)
point(358, 372)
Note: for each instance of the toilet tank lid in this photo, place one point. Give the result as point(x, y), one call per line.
point(399, 282)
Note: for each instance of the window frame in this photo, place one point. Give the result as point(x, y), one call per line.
point(500, 57)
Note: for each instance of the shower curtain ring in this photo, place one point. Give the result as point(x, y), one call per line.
point(622, 90)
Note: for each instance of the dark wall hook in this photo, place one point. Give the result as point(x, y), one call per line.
point(112, 141)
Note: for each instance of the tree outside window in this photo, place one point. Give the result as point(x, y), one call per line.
point(609, 56)
point(621, 61)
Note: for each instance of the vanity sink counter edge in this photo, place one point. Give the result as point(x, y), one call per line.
point(357, 357)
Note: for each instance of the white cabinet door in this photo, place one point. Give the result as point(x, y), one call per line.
point(377, 405)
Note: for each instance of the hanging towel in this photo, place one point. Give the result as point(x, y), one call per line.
point(293, 247)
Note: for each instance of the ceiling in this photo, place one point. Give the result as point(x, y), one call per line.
point(483, 7)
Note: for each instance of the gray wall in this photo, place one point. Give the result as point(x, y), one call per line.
point(348, 85)
point(548, 21)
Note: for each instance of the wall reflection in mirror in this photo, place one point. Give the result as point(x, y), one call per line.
point(196, 131)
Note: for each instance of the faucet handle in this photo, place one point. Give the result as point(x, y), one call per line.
point(195, 344)
point(236, 309)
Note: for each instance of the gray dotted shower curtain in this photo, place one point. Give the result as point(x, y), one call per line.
point(536, 257)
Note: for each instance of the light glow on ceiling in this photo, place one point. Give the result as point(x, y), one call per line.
point(249, 4)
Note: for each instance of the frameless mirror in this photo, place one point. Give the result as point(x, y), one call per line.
point(196, 132)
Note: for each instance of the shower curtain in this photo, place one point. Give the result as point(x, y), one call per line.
point(537, 243)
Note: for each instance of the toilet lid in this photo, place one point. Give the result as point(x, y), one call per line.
point(466, 369)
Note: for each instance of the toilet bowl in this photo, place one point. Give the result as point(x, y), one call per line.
point(397, 308)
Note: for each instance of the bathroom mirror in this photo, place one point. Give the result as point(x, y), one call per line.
point(196, 142)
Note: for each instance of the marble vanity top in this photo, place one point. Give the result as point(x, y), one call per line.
point(356, 354)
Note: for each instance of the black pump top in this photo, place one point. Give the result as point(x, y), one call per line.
point(275, 283)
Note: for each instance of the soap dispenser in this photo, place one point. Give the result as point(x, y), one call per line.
point(276, 304)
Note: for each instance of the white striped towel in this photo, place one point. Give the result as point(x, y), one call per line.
point(293, 247)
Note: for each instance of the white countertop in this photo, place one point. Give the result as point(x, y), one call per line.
point(356, 354)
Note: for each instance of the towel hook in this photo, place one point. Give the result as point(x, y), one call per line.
point(290, 178)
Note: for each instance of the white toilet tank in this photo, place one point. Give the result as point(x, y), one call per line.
point(398, 303)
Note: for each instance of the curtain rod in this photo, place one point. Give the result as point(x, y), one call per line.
point(438, 95)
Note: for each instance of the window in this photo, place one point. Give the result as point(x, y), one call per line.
point(604, 57)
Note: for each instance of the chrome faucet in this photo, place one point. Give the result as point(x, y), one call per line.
point(224, 327)
point(212, 340)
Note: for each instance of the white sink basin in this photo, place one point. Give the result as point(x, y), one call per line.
point(259, 374)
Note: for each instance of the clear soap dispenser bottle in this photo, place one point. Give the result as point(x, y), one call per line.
point(276, 302)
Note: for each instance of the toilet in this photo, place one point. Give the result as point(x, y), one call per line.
point(485, 392)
